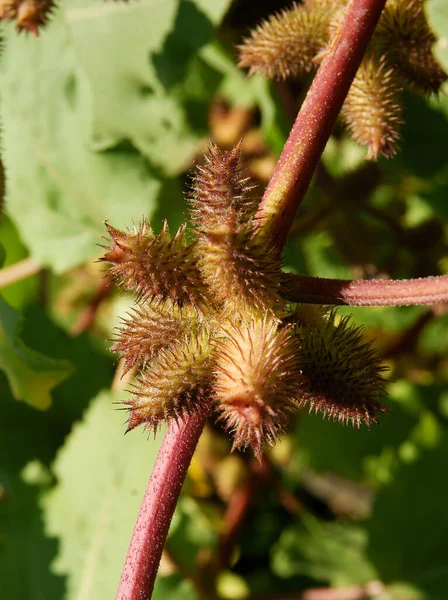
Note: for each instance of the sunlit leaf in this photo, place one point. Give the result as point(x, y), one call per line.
point(31, 375)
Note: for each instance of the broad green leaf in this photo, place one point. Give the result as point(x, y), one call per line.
point(213, 9)
point(409, 525)
point(173, 587)
point(102, 476)
point(373, 453)
point(59, 191)
point(438, 17)
point(23, 292)
point(94, 368)
point(329, 552)
point(422, 151)
point(31, 375)
point(146, 94)
point(320, 256)
point(25, 551)
point(434, 339)
point(27, 434)
point(192, 530)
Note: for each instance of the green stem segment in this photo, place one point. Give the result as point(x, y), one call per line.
point(316, 118)
point(406, 292)
point(156, 511)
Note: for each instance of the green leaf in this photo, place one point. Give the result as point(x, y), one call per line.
point(173, 587)
point(438, 17)
point(25, 551)
point(59, 191)
point(27, 434)
point(409, 525)
point(153, 45)
point(329, 552)
point(423, 148)
point(94, 368)
point(101, 477)
point(374, 453)
point(191, 530)
point(31, 375)
point(20, 293)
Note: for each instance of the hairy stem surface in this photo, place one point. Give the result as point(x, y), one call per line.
point(316, 118)
point(405, 292)
point(159, 502)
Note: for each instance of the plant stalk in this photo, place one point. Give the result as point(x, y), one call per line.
point(405, 292)
point(288, 185)
point(19, 271)
point(317, 116)
point(154, 518)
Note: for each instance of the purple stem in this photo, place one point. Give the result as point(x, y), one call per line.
point(156, 511)
point(310, 132)
point(406, 292)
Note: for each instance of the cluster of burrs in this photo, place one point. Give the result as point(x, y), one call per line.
point(29, 15)
point(211, 327)
point(400, 55)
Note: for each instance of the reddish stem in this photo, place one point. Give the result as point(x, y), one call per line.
point(405, 292)
point(238, 507)
point(316, 118)
point(280, 202)
point(156, 511)
point(87, 317)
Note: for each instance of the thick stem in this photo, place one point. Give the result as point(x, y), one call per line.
point(316, 118)
point(156, 511)
point(405, 292)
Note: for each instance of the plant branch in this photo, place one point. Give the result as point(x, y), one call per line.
point(316, 118)
point(405, 292)
point(159, 502)
point(21, 270)
point(87, 317)
point(280, 202)
point(238, 507)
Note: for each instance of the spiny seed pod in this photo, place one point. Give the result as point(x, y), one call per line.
point(149, 329)
point(256, 381)
point(310, 314)
point(285, 45)
point(211, 325)
point(294, 41)
point(220, 200)
point(240, 271)
point(28, 14)
point(372, 110)
point(403, 34)
point(154, 266)
point(340, 372)
point(174, 385)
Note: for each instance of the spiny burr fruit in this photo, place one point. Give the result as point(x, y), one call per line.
point(29, 15)
point(256, 380)
point(293, 42)
point(211, 325)
point(340, 372)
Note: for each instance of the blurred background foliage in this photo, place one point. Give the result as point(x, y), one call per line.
point(103, 117)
